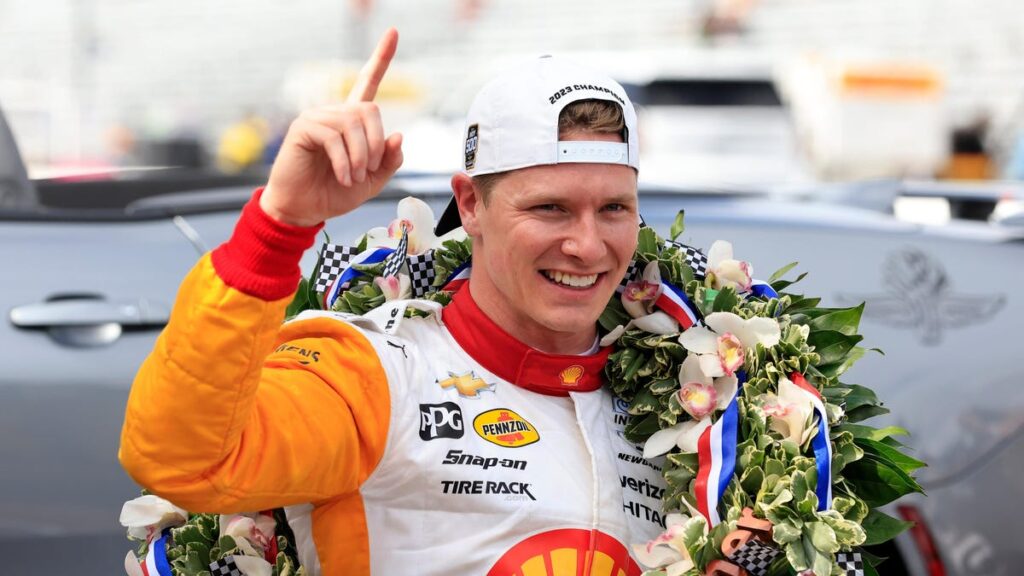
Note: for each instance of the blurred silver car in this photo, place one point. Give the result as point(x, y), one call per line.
point(91, 271)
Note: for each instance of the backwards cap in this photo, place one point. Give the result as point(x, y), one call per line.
point(513, 122)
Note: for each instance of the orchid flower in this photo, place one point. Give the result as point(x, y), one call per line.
point(789, 412)
point(726, 271)
point(638, 299)
point(252, 535)
point(146, 516)
point(132, 565)
point(700, 396)
point(395, 287)
point(416, 217)
point(722, 346)
point(668, 550)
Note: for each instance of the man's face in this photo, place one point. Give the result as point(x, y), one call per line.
point(550, 247)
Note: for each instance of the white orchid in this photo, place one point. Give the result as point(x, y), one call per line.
point(395, 287)
point(726, 271)
point(638, 299)
point(668, 550)
point(700, 396)
point(789, 412)
point(146, 516)
point(722, 346)
point(416, 217)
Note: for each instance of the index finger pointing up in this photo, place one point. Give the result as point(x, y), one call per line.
point(373, 71)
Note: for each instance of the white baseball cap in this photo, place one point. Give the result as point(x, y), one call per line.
point(513, 122)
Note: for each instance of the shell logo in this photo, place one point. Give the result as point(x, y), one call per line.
point(571, 375)
point(505, 428)
point(567, 552)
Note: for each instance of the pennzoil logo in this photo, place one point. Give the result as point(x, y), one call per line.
point(504, 427)
point(571, 375)
point(469, 385)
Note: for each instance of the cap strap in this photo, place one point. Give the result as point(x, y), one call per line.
point(593, 152)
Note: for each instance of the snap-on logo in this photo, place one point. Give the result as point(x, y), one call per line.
point(504, 427)
point(441, 421)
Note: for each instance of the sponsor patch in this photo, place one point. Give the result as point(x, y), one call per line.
point(472, 140)
point(460, 458)
point(505, 428)
point(308, 356)
point(487, 487)
point(441, 421)
point(468, 385)
point(571, 375)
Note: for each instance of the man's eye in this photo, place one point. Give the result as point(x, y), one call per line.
point(615, 207)
point(546, 207)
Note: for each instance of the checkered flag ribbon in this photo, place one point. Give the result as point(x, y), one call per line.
point(393, 263)
point(633, 273)
point(421, 273)
point(333, 259)
point(225, 567)
point(694, 258)
point(755, 557)
point(850, 563)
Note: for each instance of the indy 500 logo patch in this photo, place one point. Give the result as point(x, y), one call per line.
point(472, 139)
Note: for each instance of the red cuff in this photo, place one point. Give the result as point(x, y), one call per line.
point(262, 256)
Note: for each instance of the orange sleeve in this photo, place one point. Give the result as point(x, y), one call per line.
point(218, 421)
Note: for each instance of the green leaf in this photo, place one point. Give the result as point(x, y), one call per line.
point(725, 300)
point(677, 225)
point(780, 285)
point(647, 242)
point(823, 538)
point(870, 432)
point(906, 463)
point(781, 271)
point(832, 345)
point(865, 412)
point(844, 320)
point(879, 482)
point(880, 527)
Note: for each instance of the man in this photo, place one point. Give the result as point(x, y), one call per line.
point(478, 440)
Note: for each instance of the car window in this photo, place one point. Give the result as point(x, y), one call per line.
point(706, 92)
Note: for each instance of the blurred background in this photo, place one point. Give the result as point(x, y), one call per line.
point(735, 90)
point(880, 143)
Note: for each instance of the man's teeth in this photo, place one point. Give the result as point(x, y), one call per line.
point(571, 279)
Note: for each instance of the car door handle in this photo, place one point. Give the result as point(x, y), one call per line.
point(90, 312)
point(89, 321)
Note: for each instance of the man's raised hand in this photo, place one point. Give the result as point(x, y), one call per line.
point(335, 158)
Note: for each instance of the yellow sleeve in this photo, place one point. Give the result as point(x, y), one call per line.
point(218, 421)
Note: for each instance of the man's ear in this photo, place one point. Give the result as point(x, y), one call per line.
point(470, 200)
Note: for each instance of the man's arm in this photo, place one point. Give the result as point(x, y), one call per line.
point(216, 419)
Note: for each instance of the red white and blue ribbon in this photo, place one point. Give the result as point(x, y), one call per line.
point(457, 278)
point(156, 563)
point(716, 457)
point(674, 302)
point(820, 443)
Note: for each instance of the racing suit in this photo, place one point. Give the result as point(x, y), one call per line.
point(427, 445)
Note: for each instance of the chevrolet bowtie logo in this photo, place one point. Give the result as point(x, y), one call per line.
point(468, 385)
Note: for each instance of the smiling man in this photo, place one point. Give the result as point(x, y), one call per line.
point(476, 440)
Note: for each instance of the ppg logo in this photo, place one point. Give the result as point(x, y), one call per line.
point(440, 421)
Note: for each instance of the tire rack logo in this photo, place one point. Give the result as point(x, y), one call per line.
point(440, 421)
point(505, 428)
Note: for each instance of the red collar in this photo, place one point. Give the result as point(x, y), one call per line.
point(509, 359)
